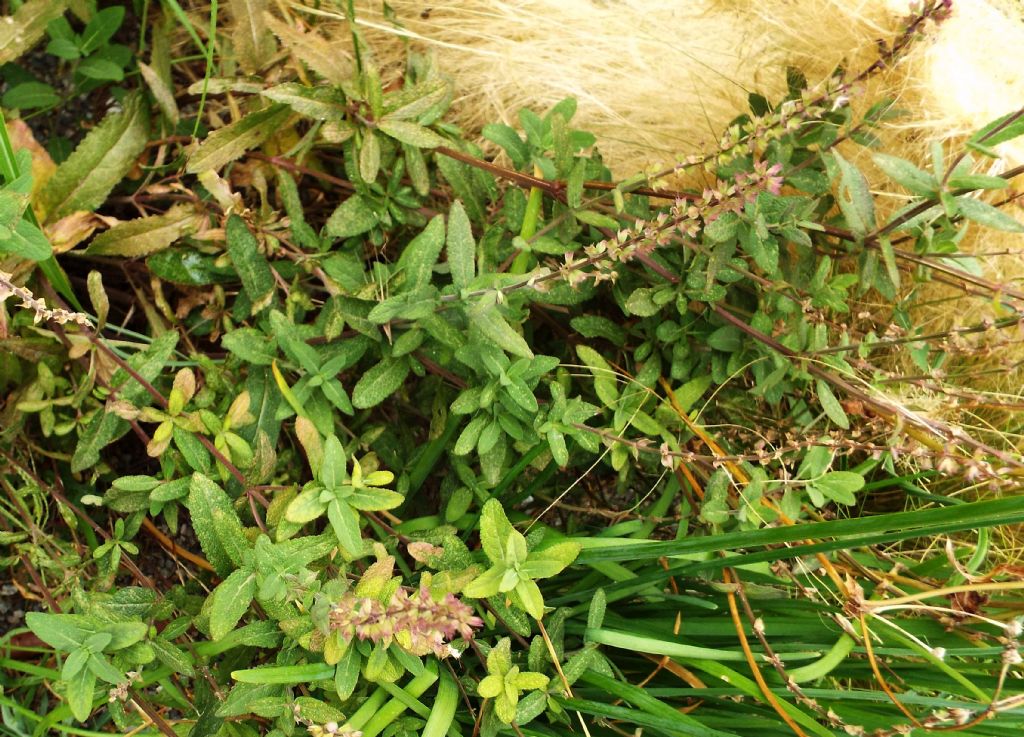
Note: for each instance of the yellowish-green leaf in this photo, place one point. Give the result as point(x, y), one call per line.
point(228, 143)
point(143, 236)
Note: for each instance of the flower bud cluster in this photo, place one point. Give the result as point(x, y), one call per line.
point(418, 623)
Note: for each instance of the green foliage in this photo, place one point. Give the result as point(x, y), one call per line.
point(385, 411)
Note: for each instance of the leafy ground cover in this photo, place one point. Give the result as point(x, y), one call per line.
point(322, 415)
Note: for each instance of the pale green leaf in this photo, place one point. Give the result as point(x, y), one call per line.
point(230, 601)
point(831, 405)
point(380, 382)
point(855, 198)
point(216, 525)
point(410, 133)
point(461, 246)
point(419, 256)
point(352, 217)
point(987, 215)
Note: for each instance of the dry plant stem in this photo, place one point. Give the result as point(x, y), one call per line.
point(126, 561)
point(173, 548)
point(869, 651)
point(558, 669)
point(752, 660)
point(773, 658)
point(885, 409)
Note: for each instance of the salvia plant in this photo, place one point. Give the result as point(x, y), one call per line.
point(369, 429)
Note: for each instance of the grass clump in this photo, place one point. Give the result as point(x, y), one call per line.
point(318, 420)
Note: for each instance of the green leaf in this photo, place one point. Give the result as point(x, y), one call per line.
point(855, 198)
point(230, 601)
point(727, 339)
point(30, 95)
point(253, 269)
point(352, 217)
point(216, 525)
point(319, 103)
point(495, 531)
point(985, 214)
point(486, 318)
point(380, 382)
point(101, 28)
point(27, 241)
point(345, 523)
point(305, 507)
point(605, 378)
point(461, 246)
point(598, 220)
point(410, 133)
point(510, 141)
point(146, 235)
point(288, 674)
point(98, 68)
point(907, 175)
point(79, 692)
point(62, 631)
point(839, 486)
point(1010, 126)
point(551, 560)
point(530, 598)
point(487, 584)
point(831, 405)
point(226, 144)
point(420, 255)
point(99, 162)
point(977, 181)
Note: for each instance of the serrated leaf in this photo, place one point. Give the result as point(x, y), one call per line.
point(146, 235)
point(831, 405)
point(380, 382)
point(253, 43)
point(352, 217)
point(488, 320)
point(253, 269)
point(230, 601)
point(226, 144)
point(99, 162)
point(162, 92)
point(461, 246)
point(216, 525)
point(27, 25)
point(985, 214)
